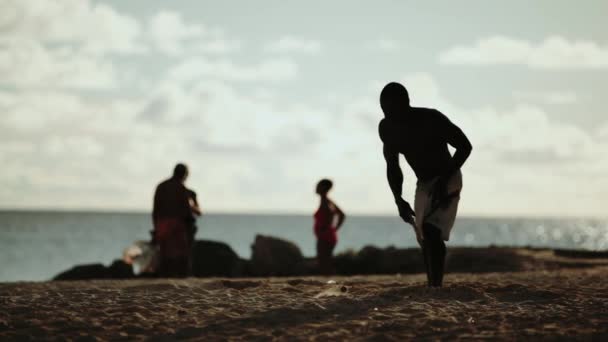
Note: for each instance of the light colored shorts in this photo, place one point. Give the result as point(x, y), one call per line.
point(444, 216)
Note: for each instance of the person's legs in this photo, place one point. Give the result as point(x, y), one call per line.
point(163, 265)
point(426, 256)
point(330, 258)
point(434, 255)
point(324, 256)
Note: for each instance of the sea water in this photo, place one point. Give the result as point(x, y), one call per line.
point(37, 245)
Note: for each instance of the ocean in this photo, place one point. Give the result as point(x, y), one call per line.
point(36, 245)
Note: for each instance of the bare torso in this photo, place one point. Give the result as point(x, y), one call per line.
point(422, 137)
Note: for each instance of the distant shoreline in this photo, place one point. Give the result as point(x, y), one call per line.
point(289, 214)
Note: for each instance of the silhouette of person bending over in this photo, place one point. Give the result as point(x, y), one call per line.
point(422, 136)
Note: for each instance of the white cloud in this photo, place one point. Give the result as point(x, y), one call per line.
point(218, 46)
point(270, 70)
point(63, 44)
point(169, 33)
point(553, 53)
point(384, 45)
point(603, 131)
point(96, 28)
point(548, 97)
point(27, 63)
point(290, 44)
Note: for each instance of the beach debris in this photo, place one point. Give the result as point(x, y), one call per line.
point(335, 290)
point(471, 320)
point(331, 282)
point(143, 255)
point(375, 309)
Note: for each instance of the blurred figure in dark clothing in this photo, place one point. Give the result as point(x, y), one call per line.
point(173, 218)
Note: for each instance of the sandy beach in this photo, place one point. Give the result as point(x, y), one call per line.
point(566, 303)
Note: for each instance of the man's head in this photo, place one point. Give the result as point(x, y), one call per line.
point(180, 172)
point(324, 186)
point(394, 99)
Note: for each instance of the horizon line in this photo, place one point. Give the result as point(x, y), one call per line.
point(288, 213)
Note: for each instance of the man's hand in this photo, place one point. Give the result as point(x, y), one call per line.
point(405, 211)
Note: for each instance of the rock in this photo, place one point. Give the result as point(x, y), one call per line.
point(492, 259)
point(373, 260)
point(83, 272)
point(581, 254)
point(118, 270)
point(215, 259)
point(275, 257)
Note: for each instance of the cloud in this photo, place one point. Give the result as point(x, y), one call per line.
point(527, 131)
point(603, 131)
point(384, 45)
point(28, 63)
point(553, 53)
point(64, 44)
point(290, 44)
point(548, 97)
point(218, 46)
point(95, 28)
point(272, 70)
point(169, 33)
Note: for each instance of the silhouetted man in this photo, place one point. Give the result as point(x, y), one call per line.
point(422, 135)
point(173, 220)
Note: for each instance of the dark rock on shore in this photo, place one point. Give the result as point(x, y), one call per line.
point(373, 260)
point(275, 257)
point(216, 259)
point(581, 254)
point(118, 270)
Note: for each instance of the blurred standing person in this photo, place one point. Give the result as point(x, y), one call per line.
point(326, 226)
point(173, 219)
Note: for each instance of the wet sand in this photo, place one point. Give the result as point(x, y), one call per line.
point(569, 303)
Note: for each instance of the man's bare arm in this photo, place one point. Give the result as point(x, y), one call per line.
point(395, 181)
point(457, 139)
point(393, 171)
point(341, 215)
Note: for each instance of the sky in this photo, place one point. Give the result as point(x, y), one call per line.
point(100, 99)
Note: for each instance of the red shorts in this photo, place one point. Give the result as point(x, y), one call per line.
point(172, 238)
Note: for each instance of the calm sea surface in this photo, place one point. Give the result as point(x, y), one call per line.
point(38, 245)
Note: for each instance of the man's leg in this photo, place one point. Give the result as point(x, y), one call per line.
point(434, 252)
point(426, 255)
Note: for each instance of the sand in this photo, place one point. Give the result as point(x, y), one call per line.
point(570, 303)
